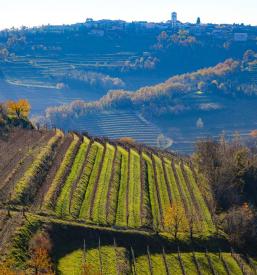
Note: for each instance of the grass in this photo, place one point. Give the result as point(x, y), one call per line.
point(73, 263)
point(60, 173)
point(185, 192)
point(22, 189)
point(134, 214)
point(162, 187)
point(63, 202)
point(80, 190)
point(112, 199)
point(86, 205)
point(172, 182)
point(99, 211)
point(200, 200)
point(152, 193)
point(121, 214)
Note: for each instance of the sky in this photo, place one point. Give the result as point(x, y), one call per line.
point(42, 12)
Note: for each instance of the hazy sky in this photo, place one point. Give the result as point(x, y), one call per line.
point(38, 12)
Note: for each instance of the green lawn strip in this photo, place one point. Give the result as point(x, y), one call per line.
point(93, 261)
point(121, 215)
point(37, 168)
point(108, 255)
point(217, 263)
point(203, 263)
point(99, 210)
point(134, 203)
point(173, 264)
point(200, 200)
point(172, 182)
point(164, 197)
point(48, 203)
point(185, 191)
point(85, 208)
point(142, 265)
point(146, 214)
point(153, 193)
point(188, 262)
point(232, 264)
point(71, 263)
point(112, 198)
point(80, 190)
point(158, 264)
point(63, 202)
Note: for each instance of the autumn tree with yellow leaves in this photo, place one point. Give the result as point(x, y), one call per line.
point(175, 219)
point(19, 109)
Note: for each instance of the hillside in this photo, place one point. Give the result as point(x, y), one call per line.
point(171, 108)
point(114, 197)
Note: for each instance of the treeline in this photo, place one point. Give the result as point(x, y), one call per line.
point(91, 79)
point(230, 167)
point(230, 78)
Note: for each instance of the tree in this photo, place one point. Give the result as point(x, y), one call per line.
point(40, 247)
point(175, 219)
point(20, 109)
point(193, 223)
point(240, 225)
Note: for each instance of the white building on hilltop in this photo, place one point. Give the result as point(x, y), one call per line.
point(174, 19)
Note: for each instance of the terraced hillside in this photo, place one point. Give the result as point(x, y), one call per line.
point(105, 205)
point(117, 125)
point(108, 183)
point(100, 182)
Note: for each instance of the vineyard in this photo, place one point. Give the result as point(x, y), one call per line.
point(106, 183)
point(114, 199)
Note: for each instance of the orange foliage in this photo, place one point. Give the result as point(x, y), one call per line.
point(20, 109)
point(40, 245)
point(128, 140)
point(253, 134)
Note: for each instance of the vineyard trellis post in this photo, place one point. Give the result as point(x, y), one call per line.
point(149, 260)
point(84, 257)
point(116, 256)
point(198, 267)
point(210, 262)
point(181, 262)
point(165, 261)
point(133, 260)
point(224, 263)
point(100, 255)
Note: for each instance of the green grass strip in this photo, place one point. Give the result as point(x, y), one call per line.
point(200, 200)
point(152, 192)
point(23, 186)
point(164, 197)
point(172, 182)
point(60, 173)
point(114, 189)
point(185, 191)
point(99, 211)
point(79, 192)
point(85, 208)
point(121, 215)
point(134, 218)
point(63, 201)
